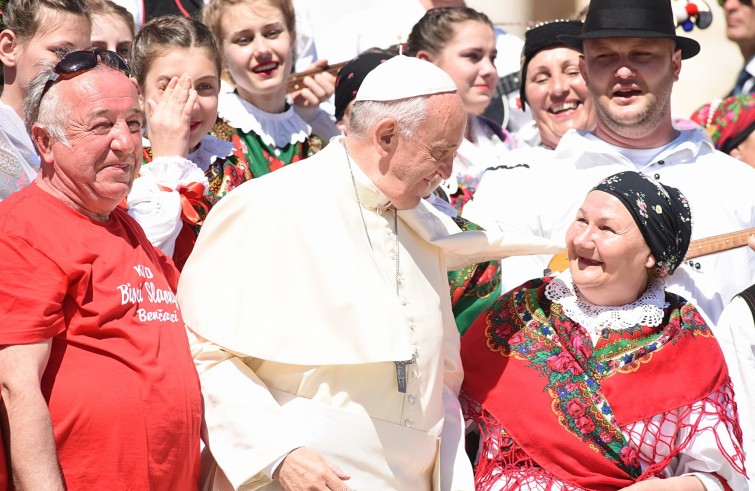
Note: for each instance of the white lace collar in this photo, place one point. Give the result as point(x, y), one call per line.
point(210, 149)
point(646, 310)
point(275, 129)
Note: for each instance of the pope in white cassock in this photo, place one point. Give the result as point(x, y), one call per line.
point(318, 306)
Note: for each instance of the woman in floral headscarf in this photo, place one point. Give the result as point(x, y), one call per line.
point(598, 378)
point(730, 123)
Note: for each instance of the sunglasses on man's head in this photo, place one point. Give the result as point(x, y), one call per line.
point(77, 62)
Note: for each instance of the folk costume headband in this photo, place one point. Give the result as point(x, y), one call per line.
point(661, 212)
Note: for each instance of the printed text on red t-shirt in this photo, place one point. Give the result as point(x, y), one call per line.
point(135, 294)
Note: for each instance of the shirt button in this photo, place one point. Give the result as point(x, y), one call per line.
point(412, 400)
point(412, 325)
point(415, 374)
point(657, 176)
point(697, 265)
point(661, 162)
point(388, 232)
point(408, 423)
point(403, 301)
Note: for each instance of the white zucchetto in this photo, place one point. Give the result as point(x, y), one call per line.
point(402, 77)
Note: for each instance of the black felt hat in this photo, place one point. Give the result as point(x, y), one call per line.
point(542, 36)
point(631, 19)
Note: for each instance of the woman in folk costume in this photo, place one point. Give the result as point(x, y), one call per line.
point(257, 39)
point(461, 41)
point(176, 63)
point(598, 378)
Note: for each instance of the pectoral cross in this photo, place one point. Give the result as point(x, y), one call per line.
point(401, 373)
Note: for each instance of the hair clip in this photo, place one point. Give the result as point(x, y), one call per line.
point(691, 13)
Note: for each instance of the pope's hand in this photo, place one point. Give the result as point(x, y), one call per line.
point(305, 469)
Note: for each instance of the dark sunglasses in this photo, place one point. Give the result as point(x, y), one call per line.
point(747, 3)
point(77, 62)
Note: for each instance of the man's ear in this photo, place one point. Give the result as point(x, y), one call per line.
point(43, 141)
point(9, 48)
point(385, 136)
point(424, 55)
point(676, 63)
point(582, 69)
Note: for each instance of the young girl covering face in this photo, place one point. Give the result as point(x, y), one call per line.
point(177, 66)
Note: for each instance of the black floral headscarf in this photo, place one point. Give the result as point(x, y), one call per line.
point(661, 212)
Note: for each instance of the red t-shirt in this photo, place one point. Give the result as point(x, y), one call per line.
point(120, 384)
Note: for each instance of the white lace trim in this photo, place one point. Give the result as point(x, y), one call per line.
point(210, 149)
point(275, 129)
point(646, 310)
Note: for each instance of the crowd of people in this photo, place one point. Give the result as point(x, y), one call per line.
point(459, 260)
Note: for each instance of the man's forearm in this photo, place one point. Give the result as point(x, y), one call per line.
point(33, 456)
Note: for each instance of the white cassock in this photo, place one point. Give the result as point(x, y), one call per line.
point(298, 320)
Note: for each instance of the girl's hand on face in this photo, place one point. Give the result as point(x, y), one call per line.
point(169, 120)
point(318, 88)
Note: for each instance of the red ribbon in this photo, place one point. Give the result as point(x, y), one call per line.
point(192, 197)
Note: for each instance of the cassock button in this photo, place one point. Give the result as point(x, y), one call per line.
point(661, 162)
point(657, 176)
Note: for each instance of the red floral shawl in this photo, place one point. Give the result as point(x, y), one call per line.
point(535, 372)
